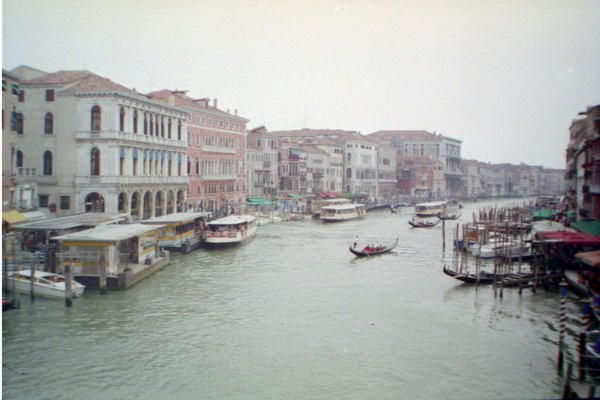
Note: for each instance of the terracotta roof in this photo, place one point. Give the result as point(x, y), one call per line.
point(182, 99)
point(59, 77)
point(408, 135)
point(96, 83)
point(313, 132)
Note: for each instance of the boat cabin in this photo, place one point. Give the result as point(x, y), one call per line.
point(430, 209)
point(182, 231)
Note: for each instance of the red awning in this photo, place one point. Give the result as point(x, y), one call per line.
point(571, 238)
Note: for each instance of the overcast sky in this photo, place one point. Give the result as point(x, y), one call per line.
point(505, 77)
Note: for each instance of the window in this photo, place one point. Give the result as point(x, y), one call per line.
point(49, 123)
point(50, 95)
point(179, 130)
point(19, 159)
point(14, 89)
point(95, 162)
point(96, 117)
point(121, 119)
point(135, 121)
point(65, 202)
point(43, 200)
point(47, 165)
point(20, 123)
point(21, 96)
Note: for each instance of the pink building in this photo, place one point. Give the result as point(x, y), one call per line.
point(216, 141)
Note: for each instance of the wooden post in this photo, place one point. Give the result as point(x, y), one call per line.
point(585, 321)
point(14, 282)
point(444, 235)
point(561, 324)
point(102, 278)
point(32, 281)
point(5, 263)
point(68, 285)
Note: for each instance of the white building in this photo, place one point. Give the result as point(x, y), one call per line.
point(361, 166)
point(99, 146)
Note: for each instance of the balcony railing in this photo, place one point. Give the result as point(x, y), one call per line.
point(217, 149)
point(218, 177)
point(30, 175)
point(130, 137)
point(130, 180)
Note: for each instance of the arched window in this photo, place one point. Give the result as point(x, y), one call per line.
point(49, 123)
point(47, 167)
point(179, 130)
point(121, 119)
point(169, 125)
point(95, 162)
point(145, 123)
point(19, 159)
point(135, 121)
point(96, 114)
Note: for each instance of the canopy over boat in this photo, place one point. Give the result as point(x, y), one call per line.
point(569, 238)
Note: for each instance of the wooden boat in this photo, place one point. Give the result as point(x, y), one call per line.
point(361, 250)
point(449, 216)
point(486, 277)
point(423, 223)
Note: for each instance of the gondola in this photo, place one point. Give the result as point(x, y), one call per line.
point(449, 216)
point(423, 223)
point(372, 250)
point(485, 277)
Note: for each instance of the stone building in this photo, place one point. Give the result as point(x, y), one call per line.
point(96, 145)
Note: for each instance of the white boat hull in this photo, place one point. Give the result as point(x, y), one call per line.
point(55, 290)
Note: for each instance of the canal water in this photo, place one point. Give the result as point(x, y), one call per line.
point(293, 315)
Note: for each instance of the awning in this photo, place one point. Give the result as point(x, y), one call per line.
point(591, 227)
point(294, 196)
point(13, 216)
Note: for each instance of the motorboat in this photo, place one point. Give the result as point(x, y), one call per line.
point(430, 209)
point(230, 230)
point(46, 284)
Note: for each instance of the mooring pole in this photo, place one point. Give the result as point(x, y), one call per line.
point(561, 324)
point(585, 321)
point(32, 281)
point(68, 285)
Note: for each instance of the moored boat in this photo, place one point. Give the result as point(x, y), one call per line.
point(45, 284)
point(343, 212)
point(372, 247)
point(182, 231)
point(230, 230)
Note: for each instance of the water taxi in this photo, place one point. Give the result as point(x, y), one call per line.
point(343, 212)
point(430, 209)
point(182, 231)
point(319, 204)
point(230, 230)
point(45, 284)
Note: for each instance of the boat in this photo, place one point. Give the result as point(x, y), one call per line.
point(342, 212)
point(487, 277)
point(510, 250)
point(7, 304)
point(182, 231)
point(430, 209)
point(423, 223)
point(592, 353)
point(46, 284)
point(230, 230)
point(319, 204)
point(373, 247)
point(449, 216)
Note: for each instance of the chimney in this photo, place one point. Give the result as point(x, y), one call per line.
point(215, 103)
point(235, 112)
point(171, 100)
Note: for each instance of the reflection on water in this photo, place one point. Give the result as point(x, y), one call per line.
point(293, 314)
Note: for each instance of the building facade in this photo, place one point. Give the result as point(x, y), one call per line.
point(98, 146)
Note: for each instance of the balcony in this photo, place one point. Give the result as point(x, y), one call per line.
point(30, 175)
point(129, 137)
point(216, 149)
point(117, 180)
point(219, 177)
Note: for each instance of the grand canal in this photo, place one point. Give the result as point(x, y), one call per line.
point(293, 315)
